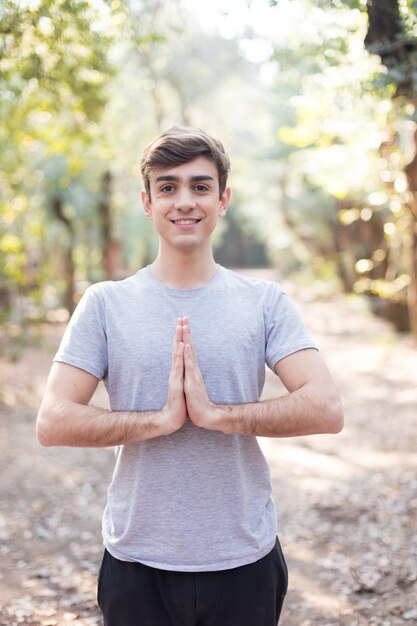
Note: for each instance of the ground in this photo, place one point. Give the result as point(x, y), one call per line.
point(347, 504)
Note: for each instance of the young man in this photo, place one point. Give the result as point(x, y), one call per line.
point(190, 525)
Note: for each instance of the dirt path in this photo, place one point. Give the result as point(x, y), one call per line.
point(347, 504)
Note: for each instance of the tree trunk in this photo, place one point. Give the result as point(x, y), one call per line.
point(110, 247)
point(69, 268)
point(384, 24)
point(411, 172)
point(412, 291)
point(346, 278)
point(387, 37)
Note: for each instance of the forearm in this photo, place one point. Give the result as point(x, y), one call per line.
point(67, 423)
point(305, 411)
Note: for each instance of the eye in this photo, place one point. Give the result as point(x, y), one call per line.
point(167, 188)
point(201, 188)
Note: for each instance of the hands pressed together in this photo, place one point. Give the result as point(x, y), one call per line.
point(311, 406)
point(187, 394)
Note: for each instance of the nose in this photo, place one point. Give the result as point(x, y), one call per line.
point(185, 199)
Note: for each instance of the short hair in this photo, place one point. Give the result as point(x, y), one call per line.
point(180, 144)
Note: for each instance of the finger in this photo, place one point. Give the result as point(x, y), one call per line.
point(178, 330)
point(179, 363)
point(187, 330)
point(189, 340)
point(194, 387)
point(180, 323)
point(188, 345)
point(178, 366)
point(177, 339)
point(190, 363)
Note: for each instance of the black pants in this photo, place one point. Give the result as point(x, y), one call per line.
point(132, 594)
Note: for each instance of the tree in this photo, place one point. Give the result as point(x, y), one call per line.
point(347, 143)
point(53, 73)
point(392, 34)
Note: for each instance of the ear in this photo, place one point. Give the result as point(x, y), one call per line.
point(147, 205)
point(224, 202)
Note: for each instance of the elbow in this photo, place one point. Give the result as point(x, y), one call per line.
point(44, 431)
point(335, 417)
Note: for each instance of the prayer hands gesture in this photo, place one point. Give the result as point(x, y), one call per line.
point(187, 394)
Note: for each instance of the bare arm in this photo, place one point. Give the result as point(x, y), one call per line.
point(65, 419)
point(312, 405)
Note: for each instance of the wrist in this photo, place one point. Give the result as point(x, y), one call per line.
point(223, 419)
point(219, 418)
point(150, 424)
point(170, 418)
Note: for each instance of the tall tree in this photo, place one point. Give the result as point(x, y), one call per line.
point(54, 69)
point(348, 139)
point(392, 34)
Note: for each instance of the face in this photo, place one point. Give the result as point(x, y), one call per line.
point(185, 204)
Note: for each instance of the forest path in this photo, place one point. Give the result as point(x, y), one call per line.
point(347, 504)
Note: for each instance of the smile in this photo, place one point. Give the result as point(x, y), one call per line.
point(186, 221)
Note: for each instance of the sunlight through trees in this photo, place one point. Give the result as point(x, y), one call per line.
point(315, 101)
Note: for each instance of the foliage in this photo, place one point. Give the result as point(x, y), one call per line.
point(53, 74)
point(349, 140)
point(318, 130)
point(69, 114)
point(171, 70)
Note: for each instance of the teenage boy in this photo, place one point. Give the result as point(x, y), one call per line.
point(190, 525)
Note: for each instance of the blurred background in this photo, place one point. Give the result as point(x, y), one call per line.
point(314, 102)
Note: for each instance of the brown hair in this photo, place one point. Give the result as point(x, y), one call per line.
point(180, 144)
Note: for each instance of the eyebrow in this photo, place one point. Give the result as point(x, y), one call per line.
point(176, 179)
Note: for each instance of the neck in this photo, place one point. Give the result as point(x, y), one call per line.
point(184, 269)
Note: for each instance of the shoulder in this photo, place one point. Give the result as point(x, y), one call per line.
point(110, 289)
point(266, 291)
point(252, 283)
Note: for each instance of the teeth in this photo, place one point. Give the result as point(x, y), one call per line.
point(188, 221)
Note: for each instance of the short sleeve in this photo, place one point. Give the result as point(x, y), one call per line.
point(84, 343)
point(285, 331)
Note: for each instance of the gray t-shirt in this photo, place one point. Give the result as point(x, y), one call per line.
point(195, 500)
